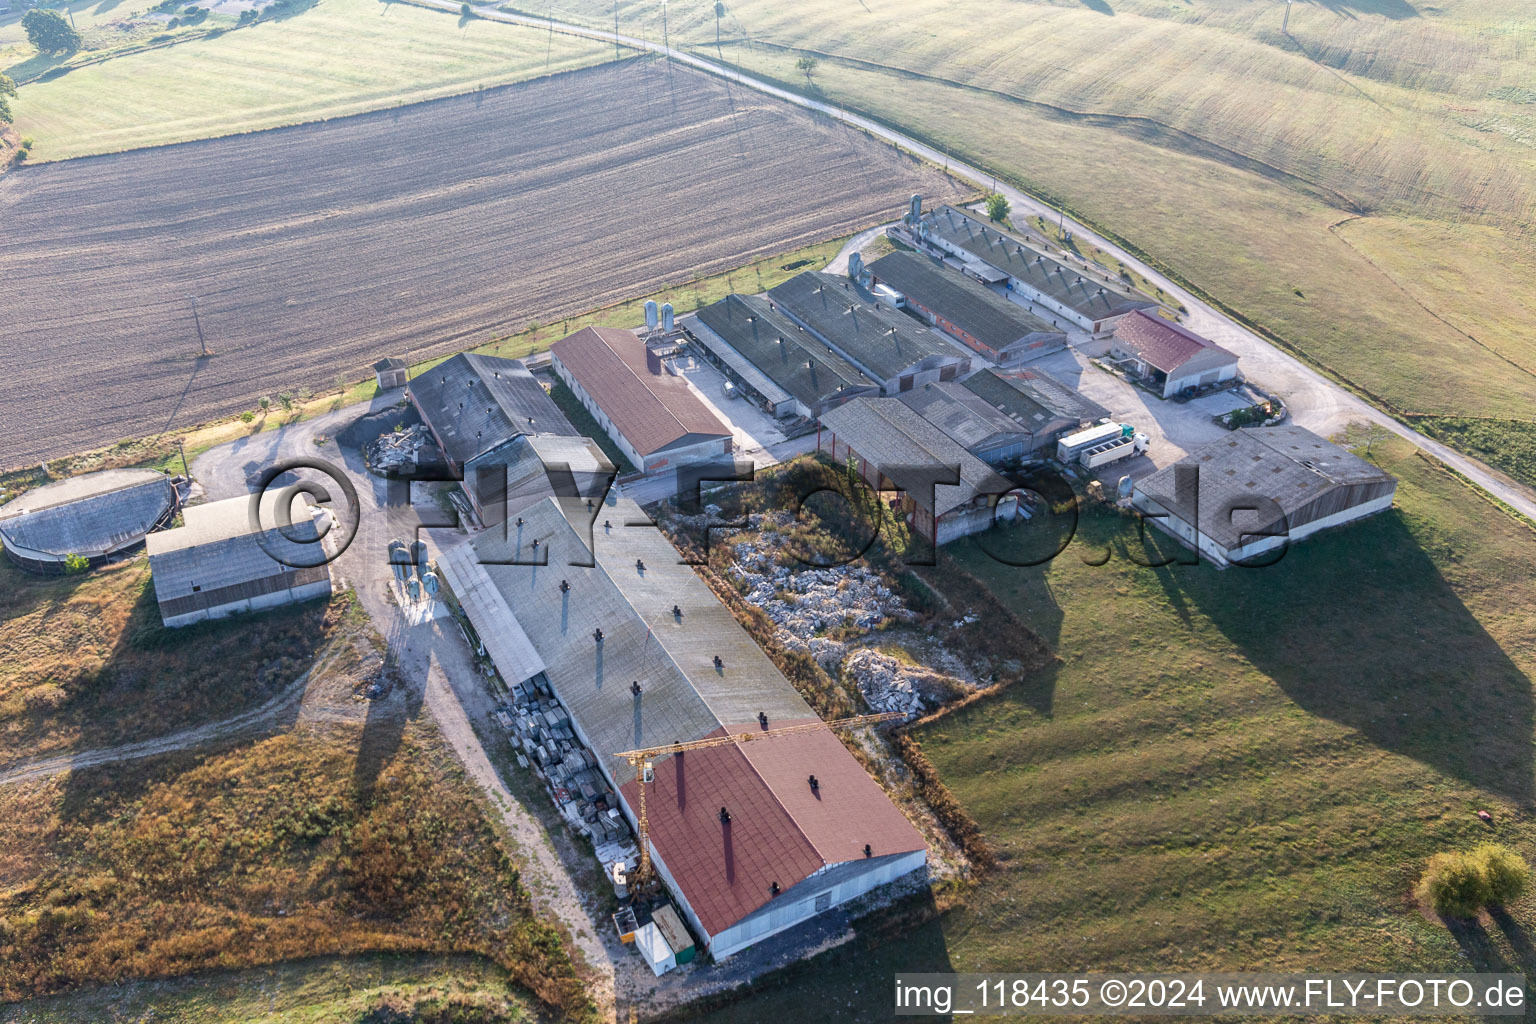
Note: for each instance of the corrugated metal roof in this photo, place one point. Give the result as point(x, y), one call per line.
point(851, 321)
point(1092, 299)
point(509, 647)
point(973, 307)
point(520, 472)
point(217, 547)
point(782, 351)
point(650, 407)
point(474, 403)
point(971, 422)
point(1033, 397)
point(93, 513)
point(893, 437)
point(1163, 343)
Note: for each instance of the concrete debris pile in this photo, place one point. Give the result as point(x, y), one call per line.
point(806, 602)
point(400, 452)
point(889, 684)
point(541, 734)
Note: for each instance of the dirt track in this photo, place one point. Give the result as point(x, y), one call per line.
point(314, 250)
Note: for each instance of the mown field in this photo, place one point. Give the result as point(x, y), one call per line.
point(338, 57)
point(1362, 186)
point(1238, 770)
point(419, 231)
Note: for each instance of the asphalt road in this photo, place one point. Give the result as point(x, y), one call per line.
point(1315, 401)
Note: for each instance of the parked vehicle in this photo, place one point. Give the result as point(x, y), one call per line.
point(1113, 450)
point(1070, 447)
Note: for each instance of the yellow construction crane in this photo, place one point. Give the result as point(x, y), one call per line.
point(643, 762)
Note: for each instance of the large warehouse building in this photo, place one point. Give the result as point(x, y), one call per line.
point(896, 449)
point(655, 418)
point(1039, 403)
point(1169, 356)
point(216, 564)
point(890, 347)
point(1052, 290)
point(531, 467)
point(97, 517)
point(775, 361)
point(641, 653)
point(989, 434)
point(1310, 484)
point(967, 310)
point(473, 403)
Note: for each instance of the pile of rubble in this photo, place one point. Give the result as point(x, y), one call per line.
point(400, 452)
point(805, 602)
point(889, 684)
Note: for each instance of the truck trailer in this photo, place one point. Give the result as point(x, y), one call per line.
point(1113, 450)
point(1073, 445)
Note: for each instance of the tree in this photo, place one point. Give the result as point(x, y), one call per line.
point(998, 206)
point(49, 32)
point(1505, 873)
point(719, 13)
point(1453, 885)
point(807, 67)
point(7, 90)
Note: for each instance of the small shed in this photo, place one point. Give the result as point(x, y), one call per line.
point(653, 946)
point(390, 372)
point(671, 927)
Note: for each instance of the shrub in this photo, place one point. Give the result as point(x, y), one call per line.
point(998, 206)
point(1505, 873)
point(1453, 885)
point(247, 416)
point(76, 564)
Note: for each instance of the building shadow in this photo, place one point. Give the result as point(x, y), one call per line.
point(1359, 626)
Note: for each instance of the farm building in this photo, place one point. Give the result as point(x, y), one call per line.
point(773, 360)
point(1052, 290)
point(1294, 482)
point(97, 516)
point(531, 467)
point(898, 450)
point(640, 652)
point(1040, 403)
point(888, 346)
point(216, 564)
point(1168, 356)
point(472, 403)
point(990, 435)
point(653, 416)
point(390, 373)
point(967, 310)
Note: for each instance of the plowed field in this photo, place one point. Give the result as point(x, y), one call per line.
point(314, 250)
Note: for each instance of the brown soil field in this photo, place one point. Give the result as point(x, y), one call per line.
point(421, 230)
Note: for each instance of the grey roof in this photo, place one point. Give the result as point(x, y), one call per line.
point(528, 469)
point(960, 414)
point(1288, 464)
point(1067, 285)
point(684, 696)
point(850, 320)
point(391, 363)
point(475, 402)
point(970, 305)
point(1033, 397)
point(217, 547)
point(893, 437)
point(783, 352)
point(91, 514)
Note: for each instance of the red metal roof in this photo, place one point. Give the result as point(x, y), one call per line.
point(1162, 343)
point(780, 831)
point(651, 408)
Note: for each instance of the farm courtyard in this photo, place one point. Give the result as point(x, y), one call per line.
point(311, 251)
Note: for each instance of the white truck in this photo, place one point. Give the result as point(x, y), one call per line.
point(1113, 450)
point(1100, 445)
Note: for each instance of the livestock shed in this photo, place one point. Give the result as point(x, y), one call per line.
point(1238, 498)
point(987, 433)
point(896, 449)
point(640, 653)
point(652, 415)
point(390, 373)
point(1169, 356)
point(890, 347)
point(967, 310)
point(97, 516)
point(518, 473)
point(773, 359)
point(1049, 288)
point(472, 403)
point(220, 563)
point(1040, 404)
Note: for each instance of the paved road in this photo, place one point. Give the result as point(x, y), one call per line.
point(1316, 402)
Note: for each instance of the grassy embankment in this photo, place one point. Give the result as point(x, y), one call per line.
point(1240, 769)
point(1366, 206)
point(339, 57)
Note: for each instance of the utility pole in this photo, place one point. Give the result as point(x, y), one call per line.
point(199, 324)
point(181, 446)
point(1285, 22)
point(616, 53)
point(666, 40)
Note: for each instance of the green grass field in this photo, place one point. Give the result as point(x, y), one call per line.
point(340, 57)
point(1242, 769)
